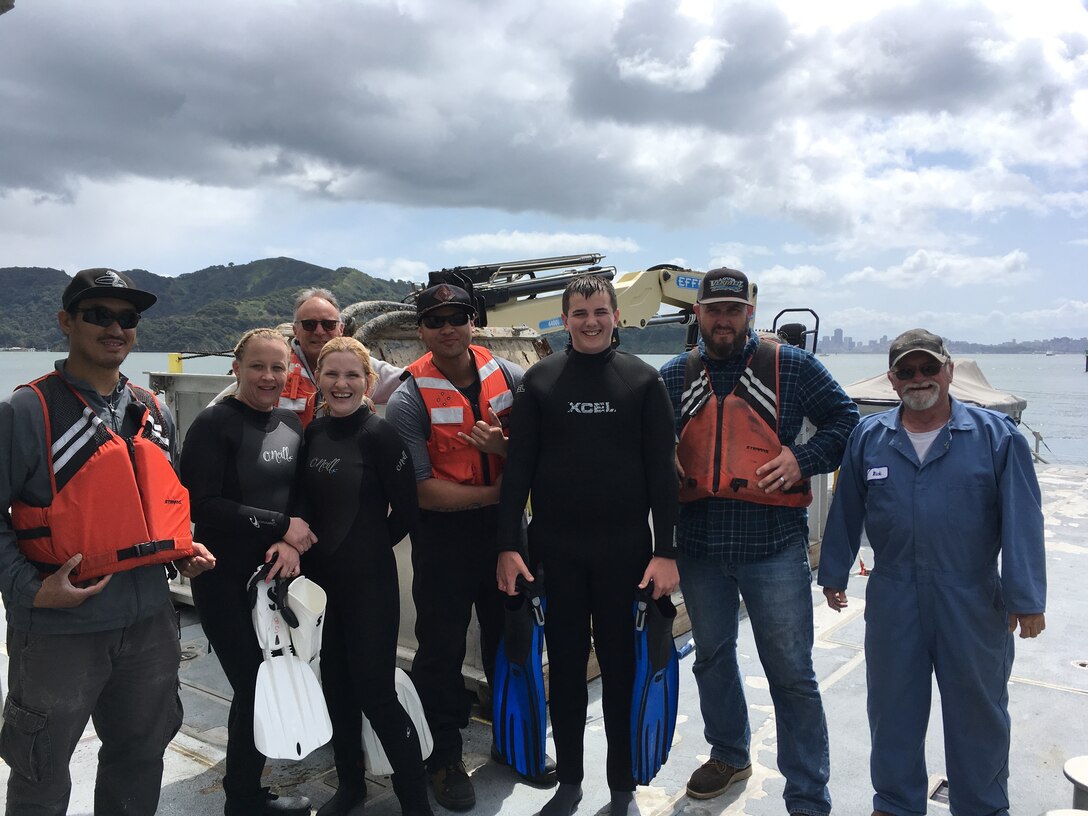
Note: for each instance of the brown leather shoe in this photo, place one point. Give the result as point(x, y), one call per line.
point(713, 777)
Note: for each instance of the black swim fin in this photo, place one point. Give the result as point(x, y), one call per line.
point(518, 719)
point(657, 684)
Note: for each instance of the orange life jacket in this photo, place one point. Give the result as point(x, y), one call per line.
point(299, 392)
point(724, 440)
point(452, 459)
point(117, 501)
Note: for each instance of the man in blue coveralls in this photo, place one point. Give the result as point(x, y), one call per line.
point(942, 489)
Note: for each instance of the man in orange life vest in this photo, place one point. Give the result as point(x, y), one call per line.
point(739, 403)
point(450, 413)
point(96, 513)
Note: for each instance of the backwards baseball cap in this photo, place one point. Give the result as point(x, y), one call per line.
point(444, 294)
point(724, 285)
point(917, 340)
point(110, 283)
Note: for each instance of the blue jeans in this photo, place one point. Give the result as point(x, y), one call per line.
point(778, 597)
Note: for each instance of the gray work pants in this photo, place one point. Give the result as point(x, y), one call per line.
point(125, 680)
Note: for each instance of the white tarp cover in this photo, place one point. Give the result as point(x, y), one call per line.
point(969, 384)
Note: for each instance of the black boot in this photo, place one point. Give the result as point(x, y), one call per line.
point(350, 793)
point(267, 803)
point(349, 798)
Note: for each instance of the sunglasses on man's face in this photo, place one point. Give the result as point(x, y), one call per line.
point(101, 316)
point(438, 321)
point(928, 370)
point(311, 325)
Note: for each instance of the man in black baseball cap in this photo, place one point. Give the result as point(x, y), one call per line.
point(450, 413)
point(442, 295)
point(103, 282)
point(91, 628)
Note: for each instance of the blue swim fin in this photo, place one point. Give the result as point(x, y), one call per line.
point(657, 684)
point(518, 717)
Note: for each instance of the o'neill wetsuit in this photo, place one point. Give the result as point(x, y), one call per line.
point(239, 465)
point(358, 493)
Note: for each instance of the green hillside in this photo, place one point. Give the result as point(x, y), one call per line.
point(205, 310)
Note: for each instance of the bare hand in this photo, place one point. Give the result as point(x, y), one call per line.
point(487, 438)
point(286, 566)
point(780, 473)
point(58, 592)
point(679, 469)
point(299, 536)
point(662, 571)
point(510, 566)
point(1030, 625)
point(200, 561)
point(836, 598)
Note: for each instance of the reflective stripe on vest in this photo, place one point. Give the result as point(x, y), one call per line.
point(453, 459)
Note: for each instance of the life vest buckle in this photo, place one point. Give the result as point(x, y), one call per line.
point(737, 484)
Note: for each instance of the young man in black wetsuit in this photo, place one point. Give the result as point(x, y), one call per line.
point(583, 419)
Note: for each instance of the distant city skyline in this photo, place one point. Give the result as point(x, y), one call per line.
point(838, 342)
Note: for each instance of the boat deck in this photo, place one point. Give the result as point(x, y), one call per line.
point(1048, 691)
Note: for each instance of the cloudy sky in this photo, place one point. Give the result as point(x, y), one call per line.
point(888, 164)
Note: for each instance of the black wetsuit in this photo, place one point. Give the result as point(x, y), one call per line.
point(592, 437)
point(358, 492)
point(239, 465)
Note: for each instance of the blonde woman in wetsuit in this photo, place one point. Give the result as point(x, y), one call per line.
point(239, 464)
point(358, 490)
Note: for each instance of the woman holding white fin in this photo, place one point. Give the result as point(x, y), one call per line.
point(359, 494)
point(240, 465)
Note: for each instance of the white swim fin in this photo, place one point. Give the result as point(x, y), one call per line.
point(307, 600)
point(377, 762)
point(290, 718)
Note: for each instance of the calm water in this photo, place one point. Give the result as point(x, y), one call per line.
point(1056, 388)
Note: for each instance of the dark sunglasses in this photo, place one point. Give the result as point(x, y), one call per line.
point(438, 321)
point(928, 370)
point(101, 316)
point(327, 325)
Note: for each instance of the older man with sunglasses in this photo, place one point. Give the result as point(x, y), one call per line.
point(943, 490)
point(317, 321)
point(450, 414)
point(95, 513)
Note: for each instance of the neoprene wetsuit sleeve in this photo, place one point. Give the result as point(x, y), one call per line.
point(659, 452)
point(398, 479)
point(520, 467)
point(205, 463)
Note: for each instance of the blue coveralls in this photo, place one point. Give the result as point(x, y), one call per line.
point(935, 601)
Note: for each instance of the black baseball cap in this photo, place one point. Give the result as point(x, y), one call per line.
point(917, 340)
point(102, 282)
point(444, 294)
point(724, 285)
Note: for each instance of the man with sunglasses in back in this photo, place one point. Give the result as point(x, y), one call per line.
point(942, 489)
point(450, 412)
point(95, 513)
point(317, 321)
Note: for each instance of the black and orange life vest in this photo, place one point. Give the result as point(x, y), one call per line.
point(724, 440)
point(117, 501)
point(452, 459)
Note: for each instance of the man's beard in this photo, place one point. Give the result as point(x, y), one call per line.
point(921, 400)
point(723, 349)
